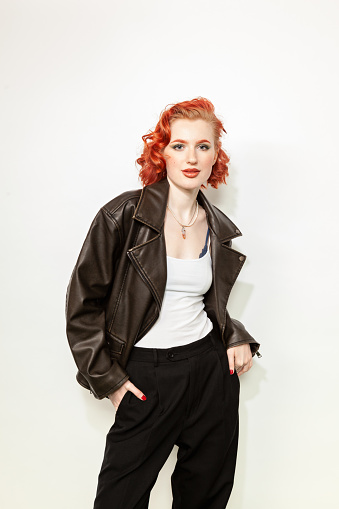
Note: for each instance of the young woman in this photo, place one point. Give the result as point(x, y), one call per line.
point(148, 326)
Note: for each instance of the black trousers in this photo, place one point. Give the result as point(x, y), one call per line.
point(192, 401)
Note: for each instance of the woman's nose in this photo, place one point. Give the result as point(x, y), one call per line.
point(192, 157)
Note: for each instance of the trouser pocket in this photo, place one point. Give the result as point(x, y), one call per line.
point(123, 402)
point(132, 409)
point(230, 382)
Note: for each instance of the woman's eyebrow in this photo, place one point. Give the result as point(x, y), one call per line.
point(184, 141)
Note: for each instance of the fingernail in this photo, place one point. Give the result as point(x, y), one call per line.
point(143, 397)
point(231, 371)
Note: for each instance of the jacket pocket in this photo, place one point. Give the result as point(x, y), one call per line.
point(115, 345)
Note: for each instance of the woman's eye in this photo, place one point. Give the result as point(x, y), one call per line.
point(180, 146)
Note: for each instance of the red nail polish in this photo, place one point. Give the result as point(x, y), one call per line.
point(143, 398)
point(231, 371)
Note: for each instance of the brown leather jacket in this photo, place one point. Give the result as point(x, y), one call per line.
point(116, 289)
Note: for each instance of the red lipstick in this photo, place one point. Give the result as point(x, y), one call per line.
point(190, 172)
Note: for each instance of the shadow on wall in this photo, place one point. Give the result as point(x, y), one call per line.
point(250, 387)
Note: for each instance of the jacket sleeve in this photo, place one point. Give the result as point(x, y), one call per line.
point(90, 282)
point(236, 335)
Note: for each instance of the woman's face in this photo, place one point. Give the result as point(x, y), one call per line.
point(190, 153)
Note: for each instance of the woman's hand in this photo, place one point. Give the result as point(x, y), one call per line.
point(117, 395)
point(240, 358)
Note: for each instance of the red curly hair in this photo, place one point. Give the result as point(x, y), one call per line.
point(152, 162)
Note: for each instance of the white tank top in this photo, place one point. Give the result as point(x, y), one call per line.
point(182, 318)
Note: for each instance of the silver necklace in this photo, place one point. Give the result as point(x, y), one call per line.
point(191, 223)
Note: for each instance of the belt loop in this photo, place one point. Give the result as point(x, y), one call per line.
point(155, 355)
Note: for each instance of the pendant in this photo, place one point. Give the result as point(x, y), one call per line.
point(183, 232)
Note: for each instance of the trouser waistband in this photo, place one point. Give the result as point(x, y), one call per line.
point(174, 353)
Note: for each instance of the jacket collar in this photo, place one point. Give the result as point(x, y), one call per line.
point(151, 210)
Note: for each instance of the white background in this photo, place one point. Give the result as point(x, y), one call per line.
point(81, 82)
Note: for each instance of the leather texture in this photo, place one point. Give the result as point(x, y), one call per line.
point(116, 288)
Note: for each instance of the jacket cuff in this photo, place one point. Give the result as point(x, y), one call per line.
point(102, 385)
point(236, 335)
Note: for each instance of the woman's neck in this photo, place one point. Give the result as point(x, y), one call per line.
point(182, 202)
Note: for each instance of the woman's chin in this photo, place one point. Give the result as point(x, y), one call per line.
point(189, 184)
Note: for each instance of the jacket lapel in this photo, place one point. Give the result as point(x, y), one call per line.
point(226, 262)
point(149, 255)
point(149, 260)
